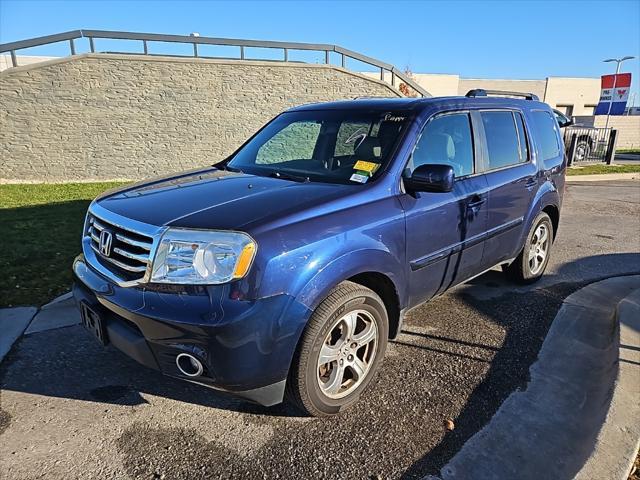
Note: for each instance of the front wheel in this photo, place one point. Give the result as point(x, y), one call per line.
point(340, 351)
point(529, 266)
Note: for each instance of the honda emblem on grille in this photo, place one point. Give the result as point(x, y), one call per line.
point(106, 239)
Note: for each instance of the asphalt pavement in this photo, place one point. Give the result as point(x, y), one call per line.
point(627, 159)
point(70, 409)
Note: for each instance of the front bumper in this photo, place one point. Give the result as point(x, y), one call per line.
point(246, 346)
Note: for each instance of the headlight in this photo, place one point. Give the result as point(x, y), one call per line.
point(202, 257)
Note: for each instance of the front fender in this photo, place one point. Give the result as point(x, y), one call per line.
point(313, 290)
point(306, 258)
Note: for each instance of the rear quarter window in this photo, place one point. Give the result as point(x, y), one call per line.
point(544, 129)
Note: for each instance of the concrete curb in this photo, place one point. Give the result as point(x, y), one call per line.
point(13, 323)
point(61, 298)
point(18, 321)
point(619, 438)
point(554, 428)
point(61, 312)
point(603, 177)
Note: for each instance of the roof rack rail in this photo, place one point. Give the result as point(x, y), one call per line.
point(480, 92)
point(364, 97)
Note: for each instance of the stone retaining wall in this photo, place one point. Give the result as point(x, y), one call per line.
point(102, 116)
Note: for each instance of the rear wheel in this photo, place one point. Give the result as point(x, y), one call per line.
point(529, 266)
point(340, 351)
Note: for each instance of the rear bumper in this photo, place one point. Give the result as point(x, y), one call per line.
point(246, 346)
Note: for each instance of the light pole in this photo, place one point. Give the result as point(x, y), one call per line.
point(615, 79)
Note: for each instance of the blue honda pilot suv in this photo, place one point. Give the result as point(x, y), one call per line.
point(285, 269)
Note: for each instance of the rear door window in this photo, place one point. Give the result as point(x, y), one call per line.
point(544, 126)
point(503, 144)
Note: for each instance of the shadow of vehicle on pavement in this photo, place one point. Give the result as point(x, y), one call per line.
point(68, 363)
point(509, 369)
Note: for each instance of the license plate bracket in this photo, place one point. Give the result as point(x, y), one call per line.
point(92, 321)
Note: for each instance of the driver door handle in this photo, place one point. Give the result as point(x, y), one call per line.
point(475, 202)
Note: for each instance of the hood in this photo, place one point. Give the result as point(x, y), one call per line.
point(217, 199)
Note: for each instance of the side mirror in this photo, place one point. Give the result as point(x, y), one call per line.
point(563, 120)
point(431, 178)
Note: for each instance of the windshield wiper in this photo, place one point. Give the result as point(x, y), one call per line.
point(224, 165)
point(289, 176)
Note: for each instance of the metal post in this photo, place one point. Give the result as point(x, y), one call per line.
point(393, 79)
point(241, 52)
point(326, 57)
point(91, 45)
point(343, 61)
point(633, 102)
point(572, 149)
point(382, 74)
point(73, 47)
point(286, 55)
point(195, 49)
point(144, 46)
point(14, 60)
point(611, 147)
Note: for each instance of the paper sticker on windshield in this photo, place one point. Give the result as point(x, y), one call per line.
point(368, 167)
point(356, 177)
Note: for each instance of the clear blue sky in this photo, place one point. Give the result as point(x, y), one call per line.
point(500, 39)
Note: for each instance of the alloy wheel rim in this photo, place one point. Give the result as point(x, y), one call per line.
point(347, 354)
point(538, 249)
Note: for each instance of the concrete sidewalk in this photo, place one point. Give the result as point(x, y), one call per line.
point(627, 159)
point(603, 177)
point(61, 312)
point(14, 322)
point(579, 416)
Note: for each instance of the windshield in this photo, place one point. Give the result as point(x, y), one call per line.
point(334, 146)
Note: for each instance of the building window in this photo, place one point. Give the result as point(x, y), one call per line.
point(566, 109)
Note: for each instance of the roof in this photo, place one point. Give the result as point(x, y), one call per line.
point(411, 104)
point(364, 103)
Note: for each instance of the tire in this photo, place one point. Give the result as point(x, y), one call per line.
point(530, 265)
point(583, 150)
point(319, 389)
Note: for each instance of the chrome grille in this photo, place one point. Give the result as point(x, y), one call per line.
point(129, 252)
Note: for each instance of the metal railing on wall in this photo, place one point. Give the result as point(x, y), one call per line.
point(286, 47)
